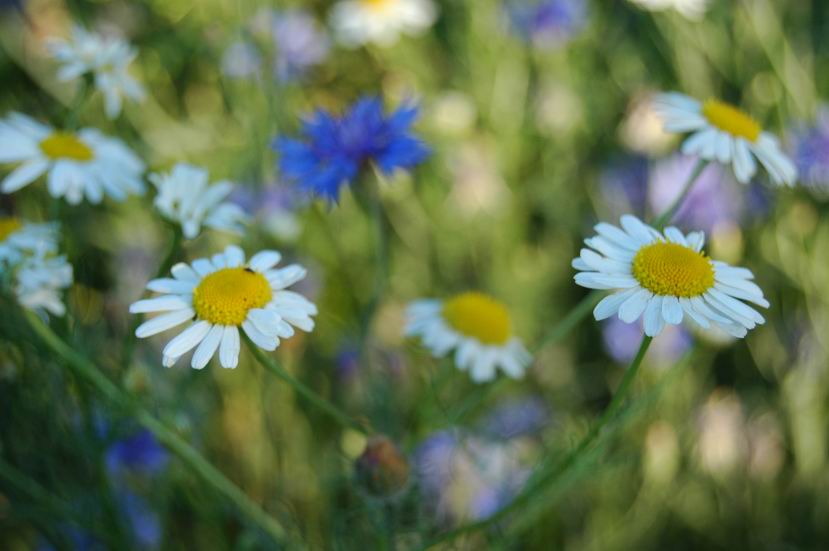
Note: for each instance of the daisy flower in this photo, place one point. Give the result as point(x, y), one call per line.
point(722, 132)
point(78, 164)
point(40, 281)
point(477, 327)
point(358, 22)
point(19, 238)
point(106, 58)
point(186, 197)
point(691, 9)
point(220, 295)
point(665, 278)
point(335, 149)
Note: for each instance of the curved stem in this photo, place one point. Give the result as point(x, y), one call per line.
point(320, 402)
point(667, 216)
point(188, 454)
point(543, 479)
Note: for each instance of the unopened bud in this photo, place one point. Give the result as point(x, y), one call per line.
point(382, 470)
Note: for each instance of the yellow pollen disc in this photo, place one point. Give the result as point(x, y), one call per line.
point(8, 226)
point(63, 145)
point(377, 5)
point(730, 119)
point(478, 316)
point(226, 296)
point(669, 269)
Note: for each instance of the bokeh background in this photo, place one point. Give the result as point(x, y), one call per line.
point(540, 127)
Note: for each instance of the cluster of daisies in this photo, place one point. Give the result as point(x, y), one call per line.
point(655, 277)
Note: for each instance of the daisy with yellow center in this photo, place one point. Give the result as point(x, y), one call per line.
point(19, 238)
point(477, 327)
point(721, 132)
point(220, 295)
point(665, 277)
point(358, 22)
point(78, 165)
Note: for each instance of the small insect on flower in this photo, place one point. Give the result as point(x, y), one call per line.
point(106, 58)
point(722, 132)
point(78, 164)
point(19, 238)
point(358, 22)
point(335, 149)
point(185, 196)
point(221, 294)
point(477, 327)
point(666, 277)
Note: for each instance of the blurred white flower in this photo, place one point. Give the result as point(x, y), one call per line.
point(78, 164)
point(358, 22)
point(106, 58)
point(40, 281)
point(19, 238)
point(721, 132)
point(477, 327)
point(186, 197)
point(692, 9)
point(221, 294)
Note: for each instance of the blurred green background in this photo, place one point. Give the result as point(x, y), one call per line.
point(726, 447)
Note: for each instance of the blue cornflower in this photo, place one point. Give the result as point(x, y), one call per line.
point(140, 453)
point(335, 149)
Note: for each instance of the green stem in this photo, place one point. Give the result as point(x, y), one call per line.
point(543, 479)
point(188, 454)
point(667, 216)
point(374, 209)
point(75, 109)
point(320, 402)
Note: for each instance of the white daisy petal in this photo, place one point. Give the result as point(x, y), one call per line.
point(609, 305)
point(653, 317)
point(260, 339)
point(230, 347)
point(264, 261)
point(159, 304)
point(633, 308)
point(671, 310)
point(163, 322)
point(187, 339)
point(207, 347)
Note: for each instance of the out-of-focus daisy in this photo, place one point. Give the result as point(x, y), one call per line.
point(548, 23)
point(19, 238)
point(692, 9)
point(186, 197)
point(722, 132)
point(335, 149)
point(106, 58)
point(810, 149)
point(381, 22)
point(78, 164)
point(221, 294)
point(666, 277)
point(40, 281)
point(477, 327)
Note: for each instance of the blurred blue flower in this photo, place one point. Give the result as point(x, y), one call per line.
point(516, 417)
point(548, 23)
point(334, 149)
point(624, 186)
point(145, 523)
point(300, 44)
point(464, 477)
point(622, 340)
point(140, 453)
point(810, 149)
point(347, 361)
point(716, 198)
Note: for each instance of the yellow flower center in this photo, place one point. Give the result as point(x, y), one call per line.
point(8, 226)
point(479, 316)
point(730, 119)
point(669, 269)
point(63, 145)
point(377, 5)
point(226, 296)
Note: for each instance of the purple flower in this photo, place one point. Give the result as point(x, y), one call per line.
point(621, 340)
point(715, 198)
point(300, 44)
point(624, 186)
point(516, 417)
point(810, 149)
point(140, 453)
point(334, 149)
point(548, 23)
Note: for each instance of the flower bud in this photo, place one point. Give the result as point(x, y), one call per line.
point(382, 470)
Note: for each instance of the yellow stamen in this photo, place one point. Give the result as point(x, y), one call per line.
point(226, 296)
point(669, 269)
point(377, 5)
point(732, 120)
point(63, 145)
point(479, 316)
point(8, 226)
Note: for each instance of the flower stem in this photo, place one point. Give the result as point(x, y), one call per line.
point(320, 402)
point(543, 479)
point(87, 371)
point(667, 216)
point(75, 109)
